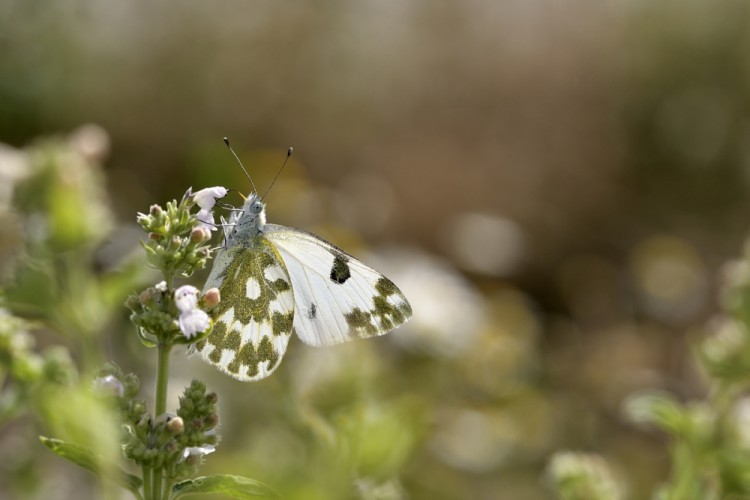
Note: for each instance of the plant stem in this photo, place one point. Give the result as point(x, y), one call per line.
point(146, 483)
point(162, 376)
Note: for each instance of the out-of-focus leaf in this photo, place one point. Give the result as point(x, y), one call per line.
point(88, 460)
point(658, 409)
point(234, 486)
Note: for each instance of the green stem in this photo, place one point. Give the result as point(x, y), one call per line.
point(168, 489)
point(162, 376)
point(146, 483)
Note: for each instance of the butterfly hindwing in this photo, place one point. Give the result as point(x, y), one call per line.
point(336, 297)
point(253, 320)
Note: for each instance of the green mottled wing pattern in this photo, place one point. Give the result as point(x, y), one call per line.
point(253, 321)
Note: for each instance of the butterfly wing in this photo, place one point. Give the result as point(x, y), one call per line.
point(253, 320)
point(336, 297)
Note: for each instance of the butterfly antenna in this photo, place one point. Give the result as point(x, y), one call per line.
point(288, 154)
point(226, 141)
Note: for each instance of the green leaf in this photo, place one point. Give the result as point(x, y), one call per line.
point(234, 486)
point(144, 338)
point(659, 409)
point(85, 458)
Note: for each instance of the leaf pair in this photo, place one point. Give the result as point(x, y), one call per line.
point(233, 486)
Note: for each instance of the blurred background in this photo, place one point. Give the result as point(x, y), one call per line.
point(554, 186)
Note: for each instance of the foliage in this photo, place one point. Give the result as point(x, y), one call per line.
point(710, 444)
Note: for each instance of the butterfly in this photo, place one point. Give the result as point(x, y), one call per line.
point(274, 280)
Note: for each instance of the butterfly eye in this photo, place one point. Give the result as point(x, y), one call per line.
point(256, 207)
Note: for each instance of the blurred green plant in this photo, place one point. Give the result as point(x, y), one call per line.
point(55, 216)
point(710, 438)
point(57, 203)
point(168, 448)
point(582, 476)
point(24, 373)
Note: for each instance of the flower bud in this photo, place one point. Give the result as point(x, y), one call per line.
point(137, 407)
point(110, 385)
point(212, 420)
point(175, 426)
point(156, 211)
point(211, 298)
point(132, 302)
point(146, 297)
point(200, 234)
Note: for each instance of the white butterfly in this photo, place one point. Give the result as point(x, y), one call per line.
point(274, 280)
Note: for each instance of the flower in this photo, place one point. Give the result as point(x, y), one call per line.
point(197, 451)
point(206, 199)
point(206, 219)
point(192, 320)
point(186, 298)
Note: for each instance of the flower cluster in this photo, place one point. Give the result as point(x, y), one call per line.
point(177, 245)
point(175, 443)
point(177, 318)
point(177, 241)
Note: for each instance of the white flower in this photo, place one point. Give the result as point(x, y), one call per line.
point(197, 451)
point(186, 298)
point(192, 320)
point(161, 286)
point(206, 198)
point(206, 219)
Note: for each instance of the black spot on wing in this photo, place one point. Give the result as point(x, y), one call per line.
point(313, 311)
point(340, 270)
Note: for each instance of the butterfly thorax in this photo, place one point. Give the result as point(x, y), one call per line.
point(249, 223)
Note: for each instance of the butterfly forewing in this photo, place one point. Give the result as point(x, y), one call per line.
point(253, 320)
point(336, 297)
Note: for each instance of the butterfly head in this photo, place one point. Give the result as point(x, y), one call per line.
point(253, 216)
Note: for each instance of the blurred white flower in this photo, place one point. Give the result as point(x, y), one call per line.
point(197, 451)
point(90, 141)
point(578, 474)
point(474, 440)
point(485, 244)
